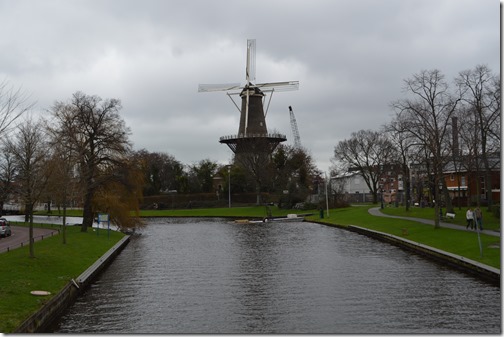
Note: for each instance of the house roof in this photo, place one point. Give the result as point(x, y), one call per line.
point(460, 166)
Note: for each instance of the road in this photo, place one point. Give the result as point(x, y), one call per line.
point(20, 236)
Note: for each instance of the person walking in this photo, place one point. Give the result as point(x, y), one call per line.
point(478, 218)
point(469, 218)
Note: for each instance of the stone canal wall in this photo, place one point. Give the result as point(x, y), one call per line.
point(41, 320)
point(480, 270)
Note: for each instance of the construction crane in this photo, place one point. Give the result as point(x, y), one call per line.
point(295, 131)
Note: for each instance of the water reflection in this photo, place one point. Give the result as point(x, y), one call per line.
point(215, 276)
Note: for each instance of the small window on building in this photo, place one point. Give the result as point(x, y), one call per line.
point(452, 177)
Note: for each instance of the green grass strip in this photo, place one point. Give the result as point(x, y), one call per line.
point(54, 265)
point(463, 243)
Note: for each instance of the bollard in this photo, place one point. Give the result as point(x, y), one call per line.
point(321, 213)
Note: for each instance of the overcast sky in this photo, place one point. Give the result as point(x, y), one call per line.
point(350, 57)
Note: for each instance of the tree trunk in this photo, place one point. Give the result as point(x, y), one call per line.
point(448, 201)
point(488, 182)
point(87, 220)
point(375, 197)
point(29, 213)
point(407, 186)
point(64, 215)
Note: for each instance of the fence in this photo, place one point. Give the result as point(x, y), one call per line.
point(23, 243)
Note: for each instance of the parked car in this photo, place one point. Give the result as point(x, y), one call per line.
point(5, 229)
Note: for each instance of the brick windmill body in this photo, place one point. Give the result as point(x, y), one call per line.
point(253, 144)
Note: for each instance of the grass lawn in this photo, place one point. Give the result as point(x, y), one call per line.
point(233, 212)
point(54, 265)
point(463, 243)
point(489, 220)
point(238, 212)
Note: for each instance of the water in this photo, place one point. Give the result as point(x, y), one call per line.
point(215, 276)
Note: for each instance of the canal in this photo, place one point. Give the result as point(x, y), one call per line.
point(216, 276)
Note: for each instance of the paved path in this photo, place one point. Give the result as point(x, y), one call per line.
point(376, 211)
point(21, 236)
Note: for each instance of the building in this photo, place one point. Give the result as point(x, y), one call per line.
point(465, 186)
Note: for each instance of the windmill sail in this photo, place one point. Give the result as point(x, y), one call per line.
point(219, 87)
point(250, 71)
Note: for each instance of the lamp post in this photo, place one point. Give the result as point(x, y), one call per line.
point(229, 185)
point(326, 196)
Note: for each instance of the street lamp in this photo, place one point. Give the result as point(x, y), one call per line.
point(326, 196)
point(229, 185)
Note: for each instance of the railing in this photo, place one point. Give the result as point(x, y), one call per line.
point(23, 243)
point(253, 135)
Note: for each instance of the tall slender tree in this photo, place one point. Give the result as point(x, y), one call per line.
point(428, 113)
point(480, 92)
point(29, 148)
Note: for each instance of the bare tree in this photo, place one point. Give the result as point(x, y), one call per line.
point(7, 176)
point(406, 147)
point(29, 149)
point(480, 92)
point(62, 181)
point(13, 103)
point(428, 114)
point(93, 132)
point(368, 152)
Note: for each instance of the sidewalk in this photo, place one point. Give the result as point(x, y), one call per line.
point(376, 212)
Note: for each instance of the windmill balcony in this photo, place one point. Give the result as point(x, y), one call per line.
point(253, 135)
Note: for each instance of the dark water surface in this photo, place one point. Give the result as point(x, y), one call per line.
point(215, 276)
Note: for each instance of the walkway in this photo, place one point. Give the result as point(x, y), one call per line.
point(376, 211)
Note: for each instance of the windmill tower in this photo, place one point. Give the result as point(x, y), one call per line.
point(253, 136)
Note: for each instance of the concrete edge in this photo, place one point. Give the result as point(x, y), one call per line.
point(475, 268)
point(47, 315)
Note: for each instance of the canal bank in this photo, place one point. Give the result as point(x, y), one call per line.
point(43, 318)
point(477, 269)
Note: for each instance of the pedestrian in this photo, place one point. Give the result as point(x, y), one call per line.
point(469, 218)
point(478, 218)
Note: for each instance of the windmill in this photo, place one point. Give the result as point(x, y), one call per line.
point(252, 134)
